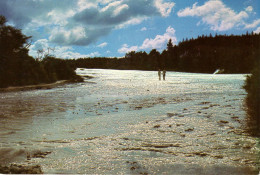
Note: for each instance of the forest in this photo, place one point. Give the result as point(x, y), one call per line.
point(233, 54)
point(17, 68)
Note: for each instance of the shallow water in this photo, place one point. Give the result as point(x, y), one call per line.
point(128, 122)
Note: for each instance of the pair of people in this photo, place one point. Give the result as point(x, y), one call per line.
point(163, 72)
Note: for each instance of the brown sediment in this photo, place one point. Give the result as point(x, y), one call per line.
point(10, 155)
point(21, 169)
point(34, 87)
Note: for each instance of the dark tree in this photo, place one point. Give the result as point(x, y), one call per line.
point(169, 45)
point(12, 52)
point(18, 68)
point(252, 86)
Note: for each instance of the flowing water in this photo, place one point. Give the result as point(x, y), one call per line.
point(129, 122)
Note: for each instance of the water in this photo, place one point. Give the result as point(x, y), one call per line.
point(129, 122)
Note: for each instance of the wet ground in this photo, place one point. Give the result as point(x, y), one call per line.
point(128, 122)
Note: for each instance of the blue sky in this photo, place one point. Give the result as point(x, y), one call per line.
point(111, 28)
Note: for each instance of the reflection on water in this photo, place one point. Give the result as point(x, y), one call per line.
point(129, 122)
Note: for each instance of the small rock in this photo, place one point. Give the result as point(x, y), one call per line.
point(179, 124)
point(189, 129)
point(157, 126)
point(247, 147)
point(223, 121)
point(204, 103)
point(182, 135)
point(236, 159)
point(171, 114)
point(132, 168)
point(235, 117)
point(138, 107)
point(200, 154)
point(205, 108)
point(218, 156)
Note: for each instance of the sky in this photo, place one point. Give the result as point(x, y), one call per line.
point(111, 28)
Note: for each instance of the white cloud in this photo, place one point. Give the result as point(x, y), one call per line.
point(257, 31)
point(133, 21)
point(58, 51)
point(94, 54)
point(159, 42)
point(63, 36)
point(143, 29)
point(252, 25)
point(56, 17)
point(80, 22)
point(249, 9)
point(41, 44)
point(119, 9)
point(125, 48)
point(84, 4)
point(111, 5)
point(165, 8)
point(216, 15)
point(102, 45)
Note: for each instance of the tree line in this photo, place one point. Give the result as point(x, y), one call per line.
point(17, 68)
point(234, 54)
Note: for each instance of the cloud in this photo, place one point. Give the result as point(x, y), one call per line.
point(102, 45)
point(125, 48)
point(78, 35)
point(93, 54)
point(133, 21)
point(159, 42)
point(116, 14)
point(40, 45)
point(23, 12)
point(120, 9)
point(165, 8)
point(58, 51)
point(257, 31)
point(216, 14)
point(143, 29)
point(252, 25)
point(249, 9)
point(79, 22)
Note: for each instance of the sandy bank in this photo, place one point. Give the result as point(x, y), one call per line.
point(33, 87)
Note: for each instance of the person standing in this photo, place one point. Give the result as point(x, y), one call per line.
point(159, 74)
point(164, 74)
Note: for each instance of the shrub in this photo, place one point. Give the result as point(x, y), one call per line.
point(252, 86)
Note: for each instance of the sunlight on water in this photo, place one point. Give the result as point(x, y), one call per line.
point(129, 122)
